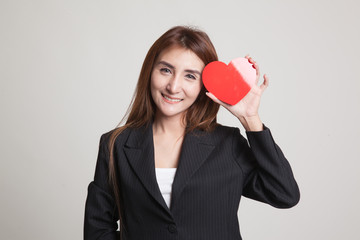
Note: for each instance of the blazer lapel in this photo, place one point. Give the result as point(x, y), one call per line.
point(139, 150)
point(196, 148)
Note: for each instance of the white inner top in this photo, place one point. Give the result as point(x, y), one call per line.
point(165, 179)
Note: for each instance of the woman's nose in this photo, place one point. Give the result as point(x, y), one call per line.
point(174, 84)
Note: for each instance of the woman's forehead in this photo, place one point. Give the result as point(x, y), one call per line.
point(180, 57)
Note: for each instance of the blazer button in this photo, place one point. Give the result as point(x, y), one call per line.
point(172, 228)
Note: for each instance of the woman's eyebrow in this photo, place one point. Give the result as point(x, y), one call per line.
point(186, 70)
point(166, 64)
point(193, 71)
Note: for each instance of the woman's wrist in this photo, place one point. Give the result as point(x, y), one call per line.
point(252, 124)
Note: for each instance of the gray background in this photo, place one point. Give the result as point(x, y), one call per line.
point(68, 70)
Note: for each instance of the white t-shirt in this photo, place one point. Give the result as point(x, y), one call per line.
point(165, 179)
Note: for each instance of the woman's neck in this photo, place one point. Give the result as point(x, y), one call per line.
point(165, 125)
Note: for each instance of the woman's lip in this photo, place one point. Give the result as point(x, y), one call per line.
point(169, 99)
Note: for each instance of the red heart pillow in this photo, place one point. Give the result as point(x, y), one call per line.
point(229, 83)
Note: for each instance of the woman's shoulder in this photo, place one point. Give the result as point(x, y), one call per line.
point(219, 134)
point(225, 130)
point(118, 135)
point(126, 134)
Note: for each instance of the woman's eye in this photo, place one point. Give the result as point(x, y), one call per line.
point(190, 76)
point(165, 70)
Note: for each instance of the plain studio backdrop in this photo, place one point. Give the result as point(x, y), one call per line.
point(68, 70)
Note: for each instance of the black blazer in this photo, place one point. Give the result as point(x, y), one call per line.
point(215, 169)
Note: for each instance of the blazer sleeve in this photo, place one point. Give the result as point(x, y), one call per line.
point(267, 174)
point(101, 214)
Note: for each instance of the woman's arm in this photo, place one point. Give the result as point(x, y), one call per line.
point(267, 173)
point(101, 213)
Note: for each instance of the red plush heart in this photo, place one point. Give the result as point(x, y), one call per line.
point(229, 83)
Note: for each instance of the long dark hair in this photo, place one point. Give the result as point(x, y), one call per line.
point(201, 114)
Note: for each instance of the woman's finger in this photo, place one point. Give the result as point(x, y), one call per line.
point(265, 84)
point(255, 66)
point(257, 73)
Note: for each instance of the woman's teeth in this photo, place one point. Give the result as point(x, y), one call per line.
point(171, 99)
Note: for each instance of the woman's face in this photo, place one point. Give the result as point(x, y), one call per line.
point(176, 81)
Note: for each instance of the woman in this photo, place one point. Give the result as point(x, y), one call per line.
point(172, 172)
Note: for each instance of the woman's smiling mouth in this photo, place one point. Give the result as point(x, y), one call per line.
point(171, 100)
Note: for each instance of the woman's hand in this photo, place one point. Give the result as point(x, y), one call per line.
point(246, 110)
